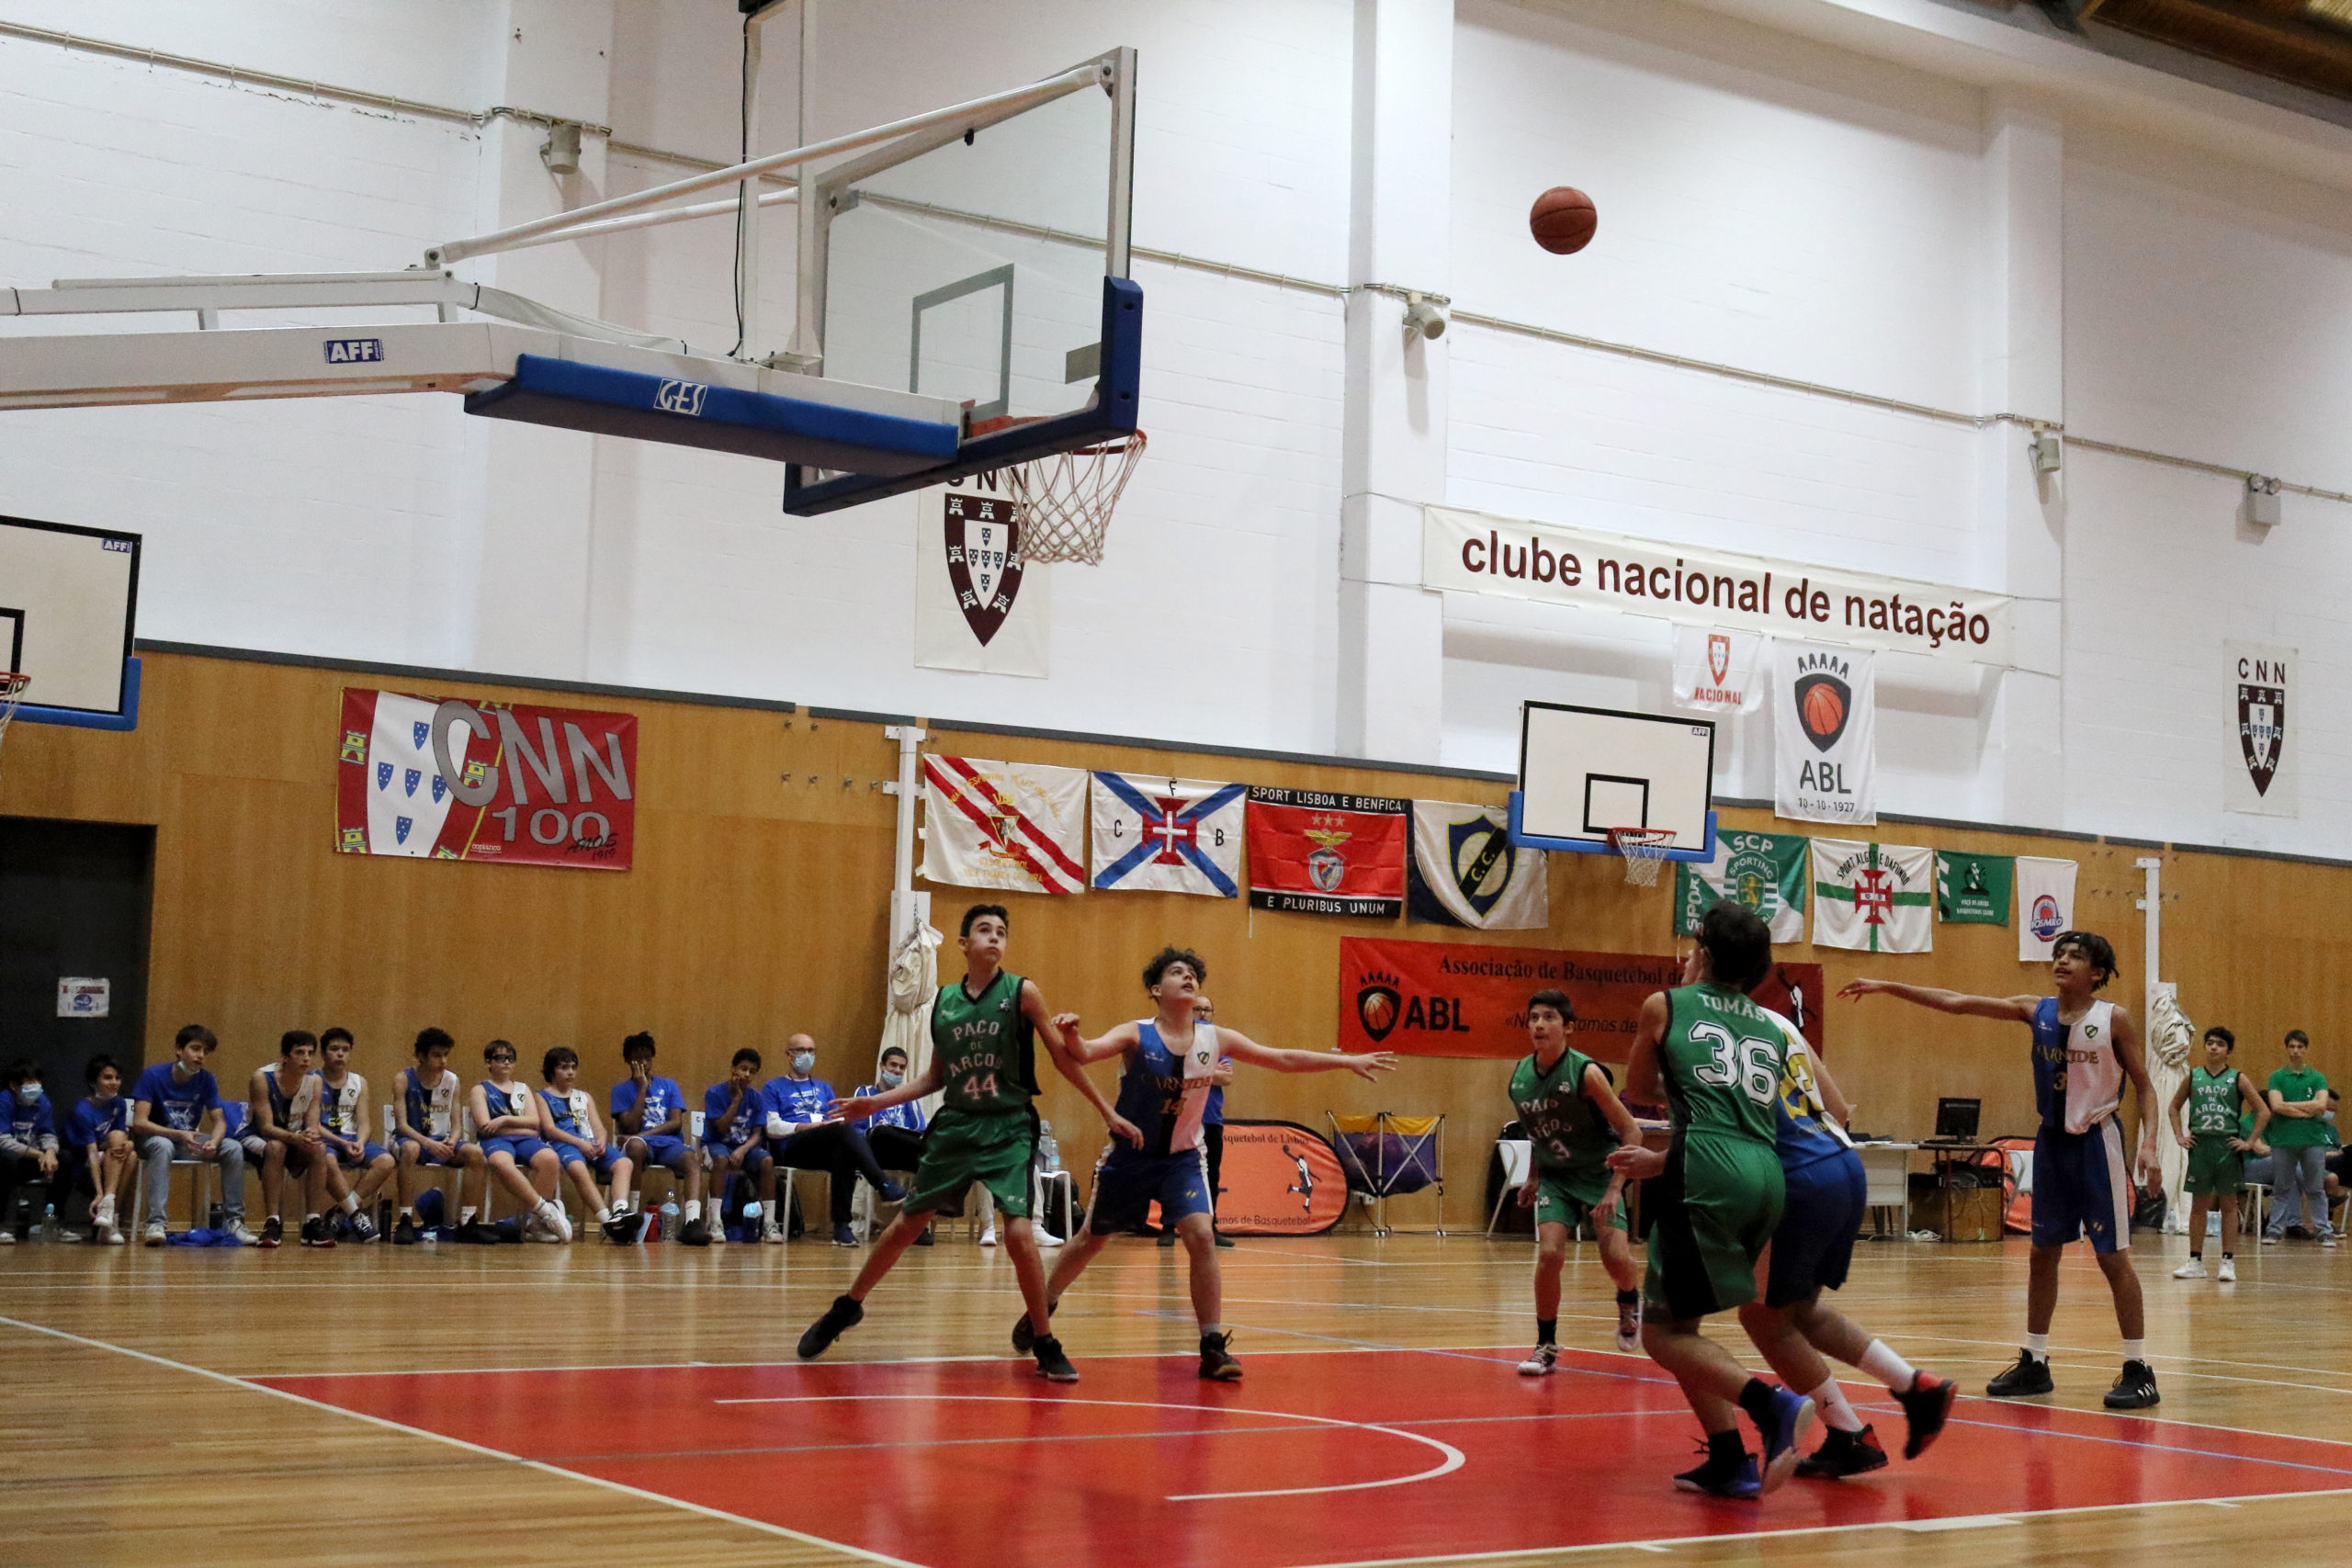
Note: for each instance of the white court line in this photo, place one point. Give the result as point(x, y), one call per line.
point(622, 1487)
point(1454, 1460)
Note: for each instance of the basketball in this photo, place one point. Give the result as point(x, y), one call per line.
point(1562, 219)
point(1824, 709)
point(1377, 1011)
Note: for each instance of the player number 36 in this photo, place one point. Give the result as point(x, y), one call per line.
point(1753, 1064)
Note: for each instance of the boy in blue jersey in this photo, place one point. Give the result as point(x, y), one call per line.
point(1171, 1059)
point(336, 1114)
point(426, 1105)
point(2083, 1051)
point(176, 1112)
point(895, 1134)
point(27, 1146)
point(279, 1142)
point(734, 1121)
point(511, 1123)
point(649, 1116)
point(578, 1139)
point(1212, 1129)
point(800, 1136)
point(97, 1140)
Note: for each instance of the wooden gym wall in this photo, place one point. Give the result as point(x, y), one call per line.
point(758, 907)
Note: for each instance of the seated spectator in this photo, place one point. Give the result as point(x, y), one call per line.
point(733, 1117)
point(424, 1136)
point(649, 1116)
point(175, 1114)
point(801, 1137)
point(96, 1140)
point(27, 1151)
point(337, 1115)
point(579, 1143)
point(895, 1133)
point(275, 1140)
point(2299, 1140)
point(511, 1121)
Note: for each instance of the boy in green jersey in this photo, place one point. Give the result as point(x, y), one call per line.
point(1572, 1120)
point(2213, 1095)
point(2300, 1137)
point(1715, 1058)
point(982, 1064)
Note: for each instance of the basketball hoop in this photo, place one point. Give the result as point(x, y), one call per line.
point(1065, 500)
point(1644, 851)
point(12, 687)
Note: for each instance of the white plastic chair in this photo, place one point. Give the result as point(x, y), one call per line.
point(1519, 1156)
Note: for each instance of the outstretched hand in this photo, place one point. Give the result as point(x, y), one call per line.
point(856, 1108)
point(1066, 1022)
point(1854, 990)
point(1369, 1065)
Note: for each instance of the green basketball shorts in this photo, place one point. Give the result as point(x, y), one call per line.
point(1712, 1214)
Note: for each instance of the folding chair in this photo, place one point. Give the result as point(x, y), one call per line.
point(1386, 1156)
point(1519, 1158)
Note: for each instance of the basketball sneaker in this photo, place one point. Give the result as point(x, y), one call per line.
point(552, 1220)
point(364, 1230)
point(1792, 1413)
point(1220, 1238)
point(2028, 1377)
point(845, 1236)
point(245, 1237)
point(926, 1239)
point(1719, 1478)
point(404, 1233)
point(1167, 1237)
point(315, 1232)
point(1218, 1364)
point(844, 1315)
point(273, 1231)
point(2228, 1274)
point(1842, 1455)
point(1539, 1362)
point(1629, 1324)
point(1052, 1365)
point(2192, 1269)
point(1925, 1403)
point(988, 1237)
point(1024, 1338)
point(154, 1235)
point(473, 1233)
point(2135, 1388)
point(695, 1233)
point(107, 1234)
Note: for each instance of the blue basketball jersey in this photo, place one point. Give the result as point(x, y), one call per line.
point(2077, 1078)
point(281, 1099)
point(433, 1110)
point(564, 1110)
point(1160, 1092)
point(1802, 1130)
point(514, 1100)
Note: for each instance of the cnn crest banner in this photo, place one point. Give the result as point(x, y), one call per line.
point(436, 778)
point(980, 603)
point(1443, 999)
point(1318, 853)
point(2263, 707)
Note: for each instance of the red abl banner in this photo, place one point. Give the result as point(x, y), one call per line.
point(1315, 853)
point(442, 779)
point(1437, 999)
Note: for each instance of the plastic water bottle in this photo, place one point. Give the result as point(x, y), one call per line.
point(49, 1222)
point(1049, 1148)
point(669, 1219)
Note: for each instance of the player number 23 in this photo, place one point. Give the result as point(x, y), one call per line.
point(1753, 1064)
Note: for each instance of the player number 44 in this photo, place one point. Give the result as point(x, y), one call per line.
point(1754, 1066)
point(980, 1086)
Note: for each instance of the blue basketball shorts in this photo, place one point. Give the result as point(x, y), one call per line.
point(1813, 1246)
point(369, 1153)
point(424, 1155)
point(600, 1165)
point(2082, 1188)
point(664, 1150)
point(522, 1150)
point(1127, 1183)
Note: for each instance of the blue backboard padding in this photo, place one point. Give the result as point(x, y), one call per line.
point(692, 413)
point(88, 718)
point(1524, 839)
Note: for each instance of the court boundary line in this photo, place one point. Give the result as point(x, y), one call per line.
point(390, 1426)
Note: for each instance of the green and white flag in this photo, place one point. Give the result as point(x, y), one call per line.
point(1872, 896)
point(1973, 890)
point(1764, 871)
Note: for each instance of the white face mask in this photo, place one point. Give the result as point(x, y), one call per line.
point(28, 1094)
point(804, 1061)
point(891, 1080)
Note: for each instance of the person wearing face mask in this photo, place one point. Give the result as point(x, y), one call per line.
point(801, 1137)
point(896, 1132)
point(27, 1148)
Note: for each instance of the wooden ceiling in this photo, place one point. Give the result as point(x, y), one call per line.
point(2307, 42)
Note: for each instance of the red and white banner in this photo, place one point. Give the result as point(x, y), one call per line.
point(1442, 999)
point(1014, 827)
point(1316, 853)
point(446, 779)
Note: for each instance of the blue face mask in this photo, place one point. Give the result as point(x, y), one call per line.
point(891, 1080)
point(804, 1061)
point(28, 1094)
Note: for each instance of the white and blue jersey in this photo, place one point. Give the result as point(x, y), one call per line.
point(87, 1125)
point(663, 1098)
point(2082, 1188)
point(1828, 1192)
point(799, 1101)
point(180, 1106)
point(1166, 1095)
point(2078, 1076)
point(32, 1128)
point(431, 1111)
point(281, 1099)
point(906, 1115)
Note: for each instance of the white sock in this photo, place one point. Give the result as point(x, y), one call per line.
point(351, 1202)
point(1209, 1328)
point(2038, 1346)
point(105, 1215)
point(1834, 1408)
point(2135, 1349)
point(605, 1216)
point(1888, 1367)
point(465, 1215)
point(693, 1210)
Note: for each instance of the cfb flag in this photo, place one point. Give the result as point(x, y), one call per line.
point(1010, 826)
point(1318, 853)
point(1825, 724)
point(1873, 896)
point(2045, 904)
point(1167, 835)
point(1466, 872)
point(1766, 871)
point(1714, 669)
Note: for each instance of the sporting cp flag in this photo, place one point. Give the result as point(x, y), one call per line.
point(1974, 889)
point(1764, 871)
point(1319, 854)
point(2045, 904)
point(1873, 896)
point(1825, 722)
point(1466, 872)
point(1010, 826)
point(1167, 835)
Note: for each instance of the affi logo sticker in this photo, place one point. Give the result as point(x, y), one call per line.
point(681, 397)
point(355, 351)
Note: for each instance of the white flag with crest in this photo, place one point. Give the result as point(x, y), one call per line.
point(1158, 834)
point(1714, 669)
point(1014, 827)
point(980, 605)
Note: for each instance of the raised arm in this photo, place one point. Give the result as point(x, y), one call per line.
point(1368, 1065)
point(2012, 1010)
point(1033, 1007)
point(1118, 1043)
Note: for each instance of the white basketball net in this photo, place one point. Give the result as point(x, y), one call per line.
point(1065, 499)
point(12, 688)
point(1644, 851)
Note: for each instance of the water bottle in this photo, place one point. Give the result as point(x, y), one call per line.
point(49, 1222)
point(670, 1217)
point(215, 1217)
point(1049, 1148)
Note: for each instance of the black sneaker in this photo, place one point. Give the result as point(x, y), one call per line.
point(840, 1318)
point(404, 1233)
point(1222, 1239)
point(1723, 1479)
point(2028, 1377)
point(696, 1234)
point(926, 1239)
point(473, 1233)
point(1925, 1404)
point(315, 1232)
point(1166, 1238)
point(273, 1231)
point(625, 1230)
point(1052, 1365)
point(1842, 1455)
point(1218, 1364)
point(2135, 1389)
point(363, 1230)
point(1024, 1338)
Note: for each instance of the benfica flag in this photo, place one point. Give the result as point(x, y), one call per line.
point(1318, 853)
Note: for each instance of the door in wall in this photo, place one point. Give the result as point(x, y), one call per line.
point(74, 904)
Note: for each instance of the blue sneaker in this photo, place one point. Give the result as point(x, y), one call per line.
point(1792, 1413)
point(1722, 1480)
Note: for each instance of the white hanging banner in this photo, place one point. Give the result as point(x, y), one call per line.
point(1824, 726)
point(2260, 767)
point(979, 604)
point(1714, 669)
point(2045, 904)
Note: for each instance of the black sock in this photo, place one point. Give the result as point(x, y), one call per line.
point(1546, 1328)
point(1627, 1298)
point(1756, 1399)
point(2197, 1256)
point(2228, 1254)
point(1724, 1448)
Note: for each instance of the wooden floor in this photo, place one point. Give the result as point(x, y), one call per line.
point(137, 1431)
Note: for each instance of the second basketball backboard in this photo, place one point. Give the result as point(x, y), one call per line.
point(69, 600)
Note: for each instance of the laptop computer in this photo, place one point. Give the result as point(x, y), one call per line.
point(1956, 1121)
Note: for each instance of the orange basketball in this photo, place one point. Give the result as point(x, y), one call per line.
point(1562, 219)
point(1824, 709)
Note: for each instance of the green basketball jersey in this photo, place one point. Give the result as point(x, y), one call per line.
point(1566, 1129)
point(1722, 1060)
point(2213, 1102)
point(984, 1048)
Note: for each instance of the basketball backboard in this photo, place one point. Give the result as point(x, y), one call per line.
point(69, 599)
point(1583, 770)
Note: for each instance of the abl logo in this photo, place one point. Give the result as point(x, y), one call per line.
point(681, 397)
